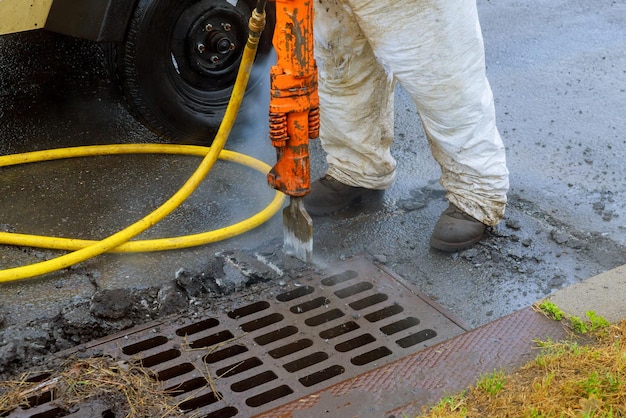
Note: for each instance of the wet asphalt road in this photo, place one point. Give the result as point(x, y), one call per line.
point(558, 72)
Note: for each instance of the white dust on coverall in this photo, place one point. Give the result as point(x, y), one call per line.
point(434, 49)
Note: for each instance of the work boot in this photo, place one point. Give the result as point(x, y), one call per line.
point(455, 230)
point(329, 196)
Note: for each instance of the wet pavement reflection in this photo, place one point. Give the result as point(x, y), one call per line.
point(564, 221)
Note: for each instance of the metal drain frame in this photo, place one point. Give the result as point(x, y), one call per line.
point(312, 333)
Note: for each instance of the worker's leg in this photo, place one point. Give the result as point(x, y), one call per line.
point(356, 101)
point(435, 50)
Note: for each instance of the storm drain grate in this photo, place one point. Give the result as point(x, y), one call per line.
point(305, 336)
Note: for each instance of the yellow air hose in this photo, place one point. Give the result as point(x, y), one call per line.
point(86, 249)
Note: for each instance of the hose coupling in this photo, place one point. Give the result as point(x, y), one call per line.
point(256, 24)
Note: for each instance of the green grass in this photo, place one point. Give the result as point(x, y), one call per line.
point(592, 323)
point(551, 310)
point(574, 379)
point(492, 383)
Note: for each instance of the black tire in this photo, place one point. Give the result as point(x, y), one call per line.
point(179, 61)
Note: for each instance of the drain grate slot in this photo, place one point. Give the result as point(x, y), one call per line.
point(200, 401)
point(269, 396)
point(324, 318)
point(266, 321)
point(400, 325)
point(295, 340)
point(339, 330)
point(335, 279)
point(354, 343)
point(304, 362)
point(248, 310)
point(212, 340)
point(298, 292)
point(291, 348)
point(225, 353)
point(159, 358)
point(197, 327)
point(322, 375)
point(310, 305)
point(254, 381)
point(354, 290)
point(369, 301)
point(175, 371)
point(239, 367)
point(40, 399)
point(187, 386)
point(144, 345)
point(227, 412)
point(384, 313)
point(371, 356)
point(276, 335)
point(416, 338)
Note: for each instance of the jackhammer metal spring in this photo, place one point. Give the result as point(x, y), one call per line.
point(278, 129)
point(314, 123)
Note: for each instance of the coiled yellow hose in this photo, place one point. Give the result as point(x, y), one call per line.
point(160, 244)
point(85, 249)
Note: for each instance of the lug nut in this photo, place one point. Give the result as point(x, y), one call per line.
point(201, 48)
point(208, 27)
point(215, 59)
point(226, 26)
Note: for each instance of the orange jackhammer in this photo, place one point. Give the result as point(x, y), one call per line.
point(294, 119)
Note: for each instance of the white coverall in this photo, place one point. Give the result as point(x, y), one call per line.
point(434, 48)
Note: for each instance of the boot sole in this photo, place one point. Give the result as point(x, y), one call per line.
point(452, 247)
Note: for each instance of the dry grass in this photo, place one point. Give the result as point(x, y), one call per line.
point(129, 390)
point(565, 380)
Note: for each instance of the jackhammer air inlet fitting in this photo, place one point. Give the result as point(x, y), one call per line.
point(256, 25)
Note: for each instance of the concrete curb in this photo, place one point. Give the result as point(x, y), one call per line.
point(605, 294)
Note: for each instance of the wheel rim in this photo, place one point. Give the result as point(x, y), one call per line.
point(205, 49)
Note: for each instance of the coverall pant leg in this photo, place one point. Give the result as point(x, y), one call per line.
point(434, 49)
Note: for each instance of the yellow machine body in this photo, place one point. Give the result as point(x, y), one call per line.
point(20, 15)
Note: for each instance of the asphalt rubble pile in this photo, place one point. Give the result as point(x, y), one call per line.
point(228, 276)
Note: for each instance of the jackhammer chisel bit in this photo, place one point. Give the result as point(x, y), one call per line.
point(298, 230)
point(294, 119)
